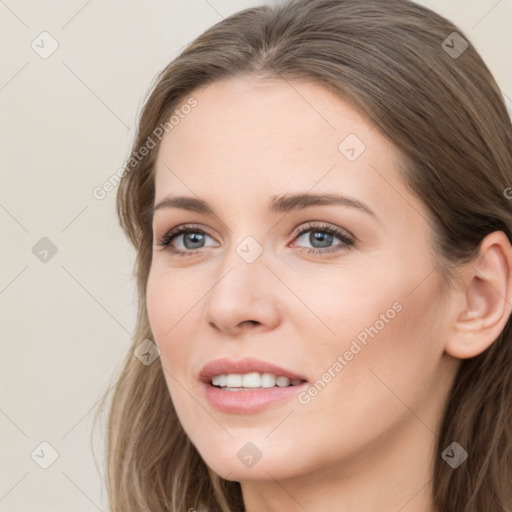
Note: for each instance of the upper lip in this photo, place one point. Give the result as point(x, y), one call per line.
point(240, 366)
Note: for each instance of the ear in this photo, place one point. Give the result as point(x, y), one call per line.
point(486, 298)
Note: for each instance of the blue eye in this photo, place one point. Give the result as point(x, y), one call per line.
point(321, 238)
point(192, 238)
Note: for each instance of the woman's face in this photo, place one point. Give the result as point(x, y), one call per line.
point(352, 304)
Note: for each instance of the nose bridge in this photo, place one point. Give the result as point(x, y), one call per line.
point(241, 270)
point(242, 292)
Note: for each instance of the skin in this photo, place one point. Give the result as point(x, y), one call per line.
point(366, 442)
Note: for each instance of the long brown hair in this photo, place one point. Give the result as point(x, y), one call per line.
point(403, 68)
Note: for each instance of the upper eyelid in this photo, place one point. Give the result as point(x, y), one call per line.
point(318, 224)
point(297, 231)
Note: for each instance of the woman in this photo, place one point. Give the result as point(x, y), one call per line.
point(317, 197)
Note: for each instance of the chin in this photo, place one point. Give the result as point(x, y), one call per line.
point(243, 460)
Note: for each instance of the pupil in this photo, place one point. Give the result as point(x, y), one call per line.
point(323, 238)
point(193, 238)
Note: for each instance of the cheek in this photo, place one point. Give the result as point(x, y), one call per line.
point(161, 303)
point(169, 295)
point(386, 354)
point(169, 313)
point(169, 308)
point(386, 317)
point(341, 303)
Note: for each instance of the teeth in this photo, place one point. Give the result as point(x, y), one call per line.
point(282, 381)
point(253, 380)
point(233, 380)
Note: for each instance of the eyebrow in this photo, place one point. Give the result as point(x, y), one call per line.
point(277, 203)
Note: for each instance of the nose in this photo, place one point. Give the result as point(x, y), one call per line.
point(243, 297)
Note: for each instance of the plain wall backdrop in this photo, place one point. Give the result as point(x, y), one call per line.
point(67, 295)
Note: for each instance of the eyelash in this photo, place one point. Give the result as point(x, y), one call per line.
point(346, 242)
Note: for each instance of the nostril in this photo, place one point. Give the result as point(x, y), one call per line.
point(251, 322)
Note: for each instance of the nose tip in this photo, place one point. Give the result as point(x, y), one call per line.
point(242, 301)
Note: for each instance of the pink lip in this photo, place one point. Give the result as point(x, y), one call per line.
point(246, 365)
point(248, 401)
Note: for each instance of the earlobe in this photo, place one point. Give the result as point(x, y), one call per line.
point(487, 303)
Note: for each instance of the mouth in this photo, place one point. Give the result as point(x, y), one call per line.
point(248, 373)
point(250, 400)
point(248, 386)
point(252, 380)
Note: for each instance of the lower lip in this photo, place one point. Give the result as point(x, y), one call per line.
point(249, 400)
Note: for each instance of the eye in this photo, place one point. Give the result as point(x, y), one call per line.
point(321, 237)
point(192, 238)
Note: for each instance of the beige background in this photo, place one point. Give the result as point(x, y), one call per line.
point(66, 126)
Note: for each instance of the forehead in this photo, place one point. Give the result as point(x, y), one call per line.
point(276, 118)
point(256, 138)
